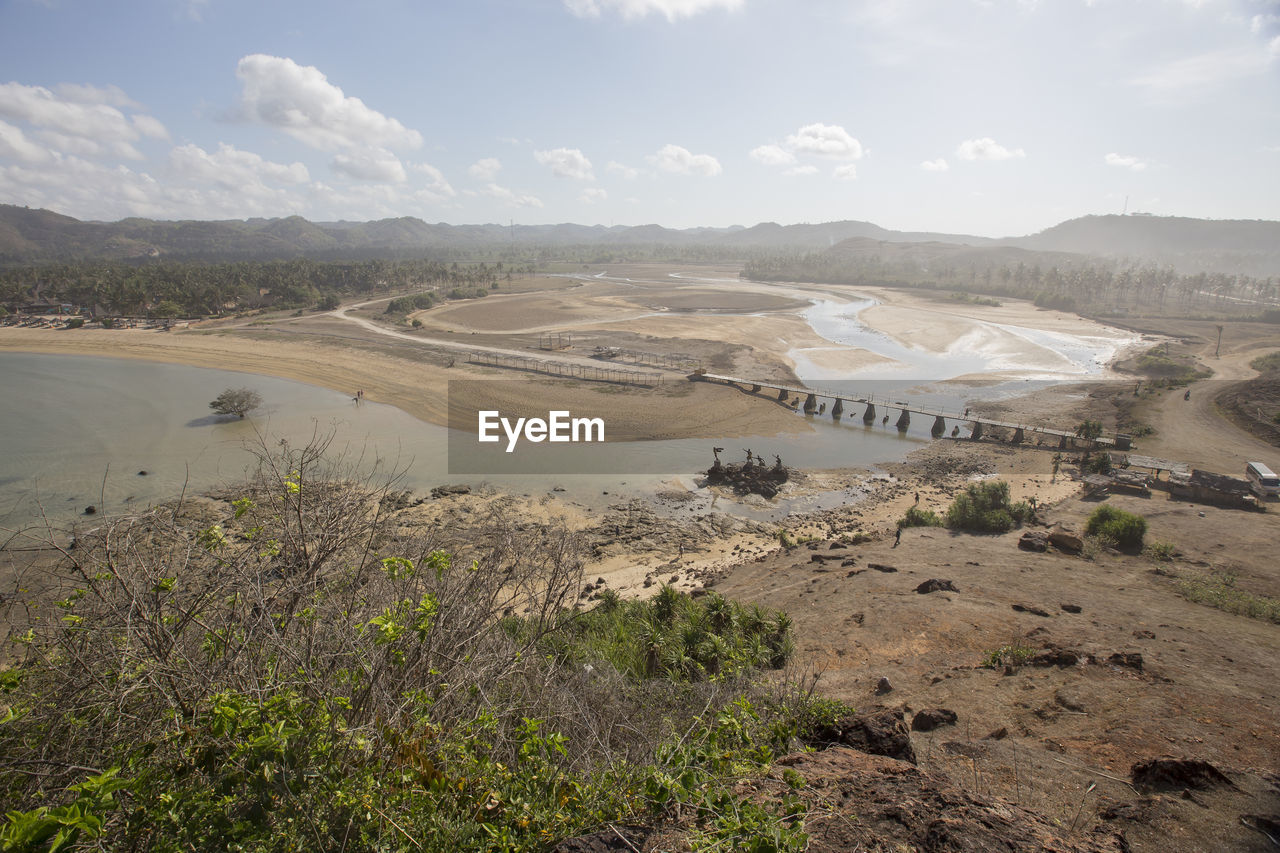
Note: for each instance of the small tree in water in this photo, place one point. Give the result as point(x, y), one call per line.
point(236, 401)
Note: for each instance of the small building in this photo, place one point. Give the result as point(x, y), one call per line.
point(1217, 489)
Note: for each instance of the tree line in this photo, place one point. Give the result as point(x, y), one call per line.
point(177, 289)
point(1095, 286)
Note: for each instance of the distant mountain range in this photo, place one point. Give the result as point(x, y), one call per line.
point(1191, 245)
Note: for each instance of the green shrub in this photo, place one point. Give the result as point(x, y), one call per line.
point(1126, 528)
point(1014, 654)
point(917, 517)
point(1219, 590)
point(985, 508)
point(1264, 363)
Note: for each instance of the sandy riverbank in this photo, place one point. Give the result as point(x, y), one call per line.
point(421, 388)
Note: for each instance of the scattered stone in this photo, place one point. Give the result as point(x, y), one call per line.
point(142, 473)
point(999, 734)
point(1132, 660)
point(445, 491)
point(1034, 611)
point(751, 477)
point(858, 617)
point(881, 567)
point(822, 558)
point(1057, 657)
point(849, 562)
point(837, 546)
point(936, 585)
point(90, 509)
point(1157, 774)
point(648, 582)
point(1071, 608)
point(883, 686)
point(1034, 540)
point(932, 718)
point(1144, 635)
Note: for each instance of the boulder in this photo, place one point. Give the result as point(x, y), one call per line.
point(936, 585)
point(1034, 540)
point(1132, 660)
point(931, 718)
point(1065, 539)
point(879, 733)
point(1155, 774)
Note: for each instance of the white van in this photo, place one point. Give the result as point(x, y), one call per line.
point(1263, 479)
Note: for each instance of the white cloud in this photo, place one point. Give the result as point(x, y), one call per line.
point(77, 145)
point(300, 100)
point(681, 161)
point(626, 172)
point(486, 169)
point(149, 126)
point(1259, 23)
point(801, 170)
point(77, 112)
point(772, 155)
point(439, 189)
point(510, 197)
point(847, 172)
point(1205, 71)
point(825, 140)
point(591, 195)
point(88, 94)
point(1125, 161)
point(232, 168)
point(14, 145)
point(566, 163)
point(673, 10)
point(374, 164)
point(987, 148)
point(938, 165)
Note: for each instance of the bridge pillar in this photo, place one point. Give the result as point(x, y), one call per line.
point(977, 431)
point(904, 421)
point(869, 416)
point(1062, 442)
point(1019, 436)
point(782, 396)
point(810, 403)
point(837, 409)
point(939, 426)
point(755, 389)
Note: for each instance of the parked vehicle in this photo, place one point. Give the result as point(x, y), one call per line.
point(1264, 481)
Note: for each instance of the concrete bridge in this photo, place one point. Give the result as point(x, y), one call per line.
point(813, 405)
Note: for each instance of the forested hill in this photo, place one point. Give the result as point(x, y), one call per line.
point(33, 236)
point(1245, 246)
point(28, 235)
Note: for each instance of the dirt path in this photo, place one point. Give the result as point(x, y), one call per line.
point(1194, 431)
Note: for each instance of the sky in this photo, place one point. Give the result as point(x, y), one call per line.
point(987, 117)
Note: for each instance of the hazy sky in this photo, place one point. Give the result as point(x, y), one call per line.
point(991, 117)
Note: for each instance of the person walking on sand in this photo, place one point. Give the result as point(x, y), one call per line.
point(897, 537)
point(917, 499)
